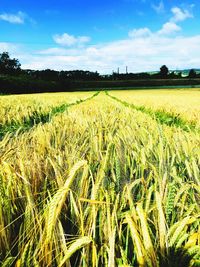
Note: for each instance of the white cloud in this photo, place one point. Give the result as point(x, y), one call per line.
point(169, 28)
point(66, 39)
point(180, 15)
point(83, 39)
point(13, 18)
point(12, 48)
point(160, 8)
point(139, 54)
point(142, 32)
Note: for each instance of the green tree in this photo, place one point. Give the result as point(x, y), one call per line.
point(192, 74)
point(8, 65)
point(164, 71)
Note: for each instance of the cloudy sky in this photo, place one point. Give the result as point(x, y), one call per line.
point(101, 35)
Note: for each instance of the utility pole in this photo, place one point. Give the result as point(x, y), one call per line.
point(126, 69)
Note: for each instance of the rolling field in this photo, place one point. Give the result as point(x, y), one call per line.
point(108, 179)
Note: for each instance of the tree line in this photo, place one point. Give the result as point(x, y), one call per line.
point(10, 66)
point(14, 79)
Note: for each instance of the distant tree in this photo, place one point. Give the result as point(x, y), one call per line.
point(143, 75)
point(192, 74)
point(49, 75)
point(172, 75)
point(179, 74)
point(164, 71)
point(8, 65)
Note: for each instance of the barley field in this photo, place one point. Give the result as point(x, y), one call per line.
point(183, 103)
point(109, 179)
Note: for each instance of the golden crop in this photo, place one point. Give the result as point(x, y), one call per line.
point(99, 185)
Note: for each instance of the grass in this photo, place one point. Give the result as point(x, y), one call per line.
point(101, 185)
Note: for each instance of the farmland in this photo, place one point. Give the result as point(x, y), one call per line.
point(100, 179)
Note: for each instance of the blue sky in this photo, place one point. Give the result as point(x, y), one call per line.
point(101, 35)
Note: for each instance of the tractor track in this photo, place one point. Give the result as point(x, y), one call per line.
point(37, 118)
point(161, 116)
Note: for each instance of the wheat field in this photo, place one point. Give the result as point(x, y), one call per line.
point(100, 183)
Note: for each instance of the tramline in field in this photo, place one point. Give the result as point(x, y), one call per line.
point(101, 184)
point(181, 102)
